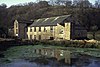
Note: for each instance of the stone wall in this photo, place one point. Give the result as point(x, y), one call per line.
point(22, 31)
point(67, 31)
point(43, 34)
point(58, 32)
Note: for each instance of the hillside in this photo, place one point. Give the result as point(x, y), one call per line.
point(88, 16)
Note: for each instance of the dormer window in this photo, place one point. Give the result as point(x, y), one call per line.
point(46, 19)
point(38, 20)
point(56, 18)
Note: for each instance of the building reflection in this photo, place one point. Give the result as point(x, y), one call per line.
point(59, 54)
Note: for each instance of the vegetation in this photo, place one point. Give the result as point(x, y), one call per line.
point(20, 52)
point(65, 43)
point(84, 12)
point(94, 35)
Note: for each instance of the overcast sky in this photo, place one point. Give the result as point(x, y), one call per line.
point(14, 2)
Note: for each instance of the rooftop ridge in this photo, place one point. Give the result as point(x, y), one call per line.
point(54, 16)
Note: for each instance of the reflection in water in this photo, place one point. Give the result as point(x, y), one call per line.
point(27, 64)
point(20, 63)
point(94, 64)
point(57, 55)
point(24, 63)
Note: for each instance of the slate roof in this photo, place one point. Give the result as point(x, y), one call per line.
point(25, 21)
point(52, 21)
point(28, 23)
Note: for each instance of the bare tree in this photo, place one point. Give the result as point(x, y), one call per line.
point(97, 3)
point(58, 2)
point(82, 3)
point(52, 2)
point(68, 3)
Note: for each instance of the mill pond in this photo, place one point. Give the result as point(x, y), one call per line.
point(24, 63)
point(52, 56)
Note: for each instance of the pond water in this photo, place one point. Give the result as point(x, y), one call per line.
point(24, 63)
point(33, 58)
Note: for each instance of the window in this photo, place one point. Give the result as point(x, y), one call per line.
point(16, 31)
point(39, 37)
point(16, 25)
point(51, 29)
point(30, 29)
point(31, 37)
point(61, 31)
point(39, 29)
point(67, 24)
point(34, 37)
point(44, 29)
point(34, 29)
point(51, 38)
